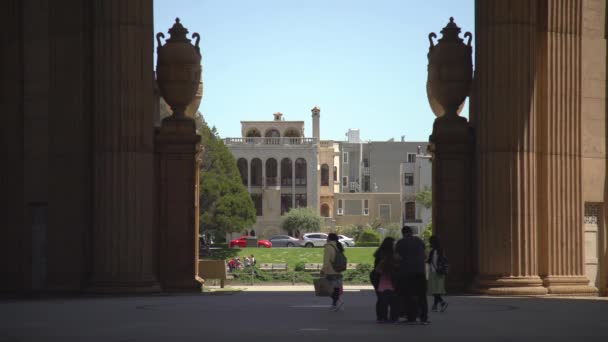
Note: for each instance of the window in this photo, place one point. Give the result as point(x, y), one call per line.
point(335, 173)
point(365, 162)
point(345, 181)
point(271, 172)
point(411, 157)
point(345, 157)
point(301, 201)
point(410, 211)
point(366, 183)
point(286, 203)
point(366, 207)
point(324, 175)
point(324, 210)
point(257, 201)
point(242, 165)
point(385, 213)
point(408, 179)
point(256, 172)
point(286, 175)
point(340, 210)
point(300, 172)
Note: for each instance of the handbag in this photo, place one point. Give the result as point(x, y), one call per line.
point(323, 287)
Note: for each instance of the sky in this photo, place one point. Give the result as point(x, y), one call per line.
point(363, 62)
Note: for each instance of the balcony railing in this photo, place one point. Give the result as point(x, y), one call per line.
point(326, 143)
point(270, 141)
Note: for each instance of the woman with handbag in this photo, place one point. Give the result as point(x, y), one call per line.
point(333, 255)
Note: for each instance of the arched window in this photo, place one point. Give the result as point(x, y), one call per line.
point(300, 172)
point(253, 133)
point(242, 165)
point(271, 172)
point(286, 172)
point(325, 210)
point(256, 172)
point(324, 175)
point(272, 136)
point(335, 173)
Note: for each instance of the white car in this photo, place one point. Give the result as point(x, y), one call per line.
point(310, 240)
point(346, 241)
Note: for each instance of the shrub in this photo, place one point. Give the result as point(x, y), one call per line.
point(369, 235)
point(299, 267)
point(360, 275)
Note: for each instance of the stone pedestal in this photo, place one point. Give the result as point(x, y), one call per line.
point(123, 237)
point(505, 121)
point(178, 147)
point(452, 149)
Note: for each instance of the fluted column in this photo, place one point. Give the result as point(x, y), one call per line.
point(506, 148)
point(124, 256)
point(561, 257)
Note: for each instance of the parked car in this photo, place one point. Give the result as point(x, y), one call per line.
point(242, 242)
point(284, 241)
point(310, 240)
point(346, 241)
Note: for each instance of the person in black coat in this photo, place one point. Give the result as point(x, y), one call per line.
point(411, 276)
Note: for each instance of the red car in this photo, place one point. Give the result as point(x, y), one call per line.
point(242, 242)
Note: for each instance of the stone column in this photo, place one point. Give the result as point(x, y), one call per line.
point(452, 148)
point(249, 175)
point(179, 151)
point(123, 233)
point(293, 183)
point(506, 147)
point(561, 257)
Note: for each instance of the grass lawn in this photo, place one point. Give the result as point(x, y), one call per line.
point(292, 256)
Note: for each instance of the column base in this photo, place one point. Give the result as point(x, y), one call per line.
point(569, 286)
point(190, 285)
point(123, 287)
point(510, 286)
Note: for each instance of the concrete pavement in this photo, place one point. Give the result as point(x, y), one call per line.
point(258, 314)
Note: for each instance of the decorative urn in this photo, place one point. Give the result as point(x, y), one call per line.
point(178, 69)
point(450, 71)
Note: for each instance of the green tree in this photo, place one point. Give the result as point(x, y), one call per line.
point(302, 219)
point(425, 198)
point(225, 204)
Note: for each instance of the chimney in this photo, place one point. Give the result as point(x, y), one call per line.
point(316, 114)
point(402, 138)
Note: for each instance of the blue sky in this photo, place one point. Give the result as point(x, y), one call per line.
point(362, 62)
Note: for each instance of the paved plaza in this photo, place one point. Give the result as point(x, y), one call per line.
point(293, 313)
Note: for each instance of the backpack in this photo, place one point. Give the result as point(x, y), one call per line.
point(442, 265)
point(339, 263)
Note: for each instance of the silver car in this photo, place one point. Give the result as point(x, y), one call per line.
point(284, 241)
point(310, 240)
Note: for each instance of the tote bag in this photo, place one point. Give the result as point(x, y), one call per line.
point(323, 287)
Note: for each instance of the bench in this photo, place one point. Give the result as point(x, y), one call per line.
point(273, 267)
point(351, 266)
point(311, 267)
point(213, 269)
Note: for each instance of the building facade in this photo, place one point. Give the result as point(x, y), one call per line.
point(278, 165)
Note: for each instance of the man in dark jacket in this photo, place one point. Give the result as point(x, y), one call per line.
point(411, 277)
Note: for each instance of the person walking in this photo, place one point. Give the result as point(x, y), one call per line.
point(437, 270)
point(411, 276)
point(333, 262)
point(385, 266)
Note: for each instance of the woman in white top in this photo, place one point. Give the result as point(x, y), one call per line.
point(436, 282)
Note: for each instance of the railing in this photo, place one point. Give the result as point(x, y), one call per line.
point(366, 171)
point(270, 141)
point(353, 187)
point(326, 143)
